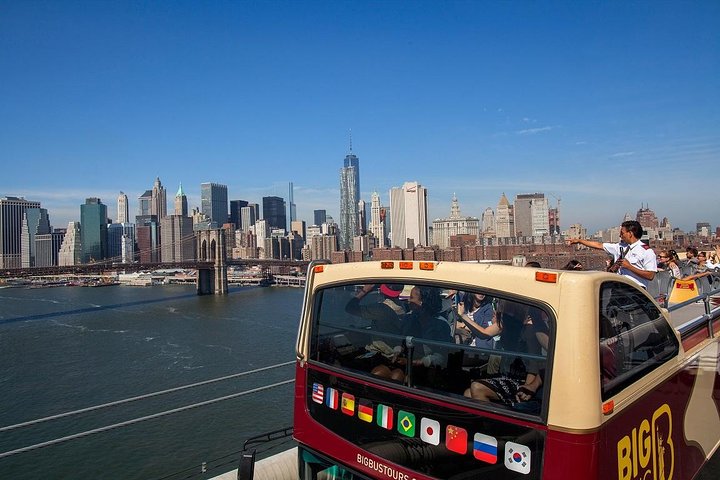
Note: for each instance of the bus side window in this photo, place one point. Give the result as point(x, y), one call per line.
point(634, 337)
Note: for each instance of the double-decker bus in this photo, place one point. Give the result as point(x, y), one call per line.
point(420, 370)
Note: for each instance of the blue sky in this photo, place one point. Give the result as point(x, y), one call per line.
point(606, 105)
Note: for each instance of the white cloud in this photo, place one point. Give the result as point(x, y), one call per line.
point(533, 131)
point(622, 154)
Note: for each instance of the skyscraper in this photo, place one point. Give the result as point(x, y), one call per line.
point(178, 241)
point(488, 223)
point(531, 215)
point(12, 212)
point(377, 220)
point(71, 249)
point(504, 218)
point(274, 212)
point(408, 215)
point(214, 203)
point(349, 198)
point(291, 204)
point(236, 216)
point(319, 217)
point(248, 217)
point(93, 230)
point(35, 222)
point(47, 247)
point(181, 205)
point(119, 236)
point(144, 202)
point(123, 212)
point(158, 200)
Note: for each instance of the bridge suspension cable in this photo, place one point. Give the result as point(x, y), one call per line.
point(140, 397)
point(140, 419)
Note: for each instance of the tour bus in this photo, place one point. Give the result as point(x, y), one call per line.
point(574, 375)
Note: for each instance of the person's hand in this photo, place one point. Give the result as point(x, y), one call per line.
point(525, 393)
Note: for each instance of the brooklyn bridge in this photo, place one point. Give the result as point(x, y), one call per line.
point(211, 263)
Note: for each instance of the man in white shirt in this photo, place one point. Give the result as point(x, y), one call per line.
point(633, 259)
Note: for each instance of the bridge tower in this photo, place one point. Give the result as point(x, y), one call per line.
point(212, 247)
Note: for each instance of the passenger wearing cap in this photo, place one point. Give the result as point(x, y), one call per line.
point(384, 315)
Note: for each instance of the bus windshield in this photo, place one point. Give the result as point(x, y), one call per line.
point(484, 348)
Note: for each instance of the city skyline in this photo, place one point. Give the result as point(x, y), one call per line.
point(596, 104)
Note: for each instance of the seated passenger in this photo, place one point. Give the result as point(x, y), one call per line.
point(426, 323)
point(519, 380)
point(477, 315)
point(384, 315)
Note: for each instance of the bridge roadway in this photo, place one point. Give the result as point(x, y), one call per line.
point(101, 268)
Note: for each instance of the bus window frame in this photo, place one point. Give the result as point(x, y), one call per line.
point(508, 414)
point(625, 380)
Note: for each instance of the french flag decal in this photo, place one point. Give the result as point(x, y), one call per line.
point(331, 398)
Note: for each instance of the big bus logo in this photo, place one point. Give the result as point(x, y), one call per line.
point(647, 453)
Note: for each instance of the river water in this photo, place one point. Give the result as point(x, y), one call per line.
point(68, 348)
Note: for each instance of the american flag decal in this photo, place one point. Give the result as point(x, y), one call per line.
point(317, 394)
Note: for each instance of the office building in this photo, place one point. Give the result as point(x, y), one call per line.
point(12, 212)
point(35, 222)
point(214, 203)
point(93, 230)
point(298, 226)
point(248, 216)
point(147, 236)
point(158, 200)
point(144, 204)
point(274, 212)
point(362, 218)
point(488, 223)
point(408, 215)
point(647, 217)
point(319, 217)
point(236, 217)
point(455, 224)
point(504, 218)
point(71, 249)
point(47, 248)
point(702, 229)
point(378, 227)
point(119, 236)
point(532, 217)
point(349, 198)
point(181, 204)
point(178, 239)
point(323, 246)
point(123, 208)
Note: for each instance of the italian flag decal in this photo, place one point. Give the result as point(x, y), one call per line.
point(385, 416)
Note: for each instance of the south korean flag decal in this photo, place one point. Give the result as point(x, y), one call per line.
point(517, 457)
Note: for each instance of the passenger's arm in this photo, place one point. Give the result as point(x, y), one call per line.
point(696, 276)
point(353, 306)
point(533, 382)
point(491, 331)
point(587, 243)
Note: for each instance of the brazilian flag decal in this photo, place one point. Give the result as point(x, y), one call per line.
point(406, 423)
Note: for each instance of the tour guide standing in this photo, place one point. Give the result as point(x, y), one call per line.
point(633, 258)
